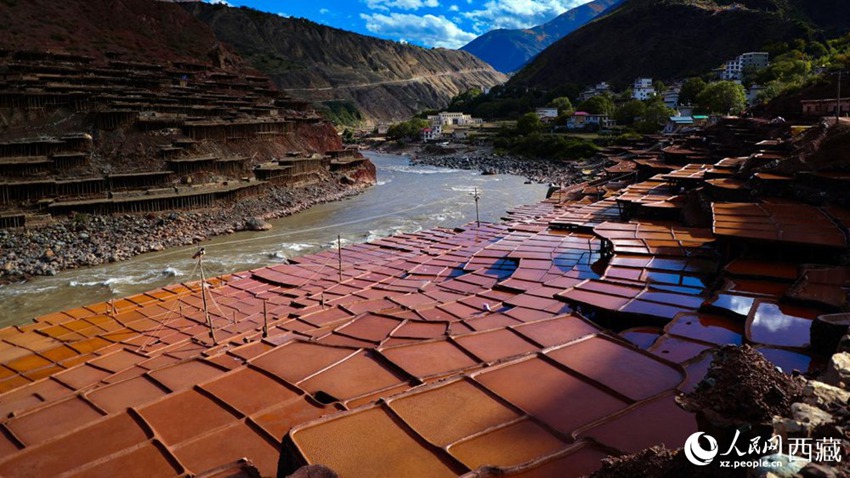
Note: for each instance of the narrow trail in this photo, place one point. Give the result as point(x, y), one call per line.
point(419, 78)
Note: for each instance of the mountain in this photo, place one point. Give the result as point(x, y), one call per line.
point(129, 29)
point(508, 50)
point(669, 39)
point(385, 80)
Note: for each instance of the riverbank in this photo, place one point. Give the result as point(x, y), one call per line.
point(486, 160)
point(89, 240)
point(405, 199)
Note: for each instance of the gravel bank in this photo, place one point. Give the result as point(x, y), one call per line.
point(484, 160)
point(87, 240)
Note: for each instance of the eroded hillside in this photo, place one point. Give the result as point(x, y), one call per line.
point(386, 80)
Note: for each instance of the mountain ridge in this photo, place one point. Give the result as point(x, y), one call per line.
point(386, 80)
point(509, 49)
point(698, 35)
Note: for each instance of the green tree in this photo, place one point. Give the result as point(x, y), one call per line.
point(598, 105)
point(654, 118)
point(528, 123)
point(407, 130)
point(563, 104)
point(691, 88)
point(629, 111)
point(463, 100)
point(723, 97)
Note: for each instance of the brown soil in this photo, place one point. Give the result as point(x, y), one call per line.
point(655, 462)
point(743, 387)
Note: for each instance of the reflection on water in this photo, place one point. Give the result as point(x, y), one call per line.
point(406, 199)
point(770, 326)
point(737, 304)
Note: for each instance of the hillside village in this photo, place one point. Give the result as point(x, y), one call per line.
point(683, 114)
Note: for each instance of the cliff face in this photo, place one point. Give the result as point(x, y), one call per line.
point(675, 38)
point(386, 80)
point(508, 50)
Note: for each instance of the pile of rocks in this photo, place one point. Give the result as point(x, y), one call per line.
point(84, 240)
point(537, 170)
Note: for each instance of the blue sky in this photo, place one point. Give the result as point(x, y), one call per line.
point(429, 23)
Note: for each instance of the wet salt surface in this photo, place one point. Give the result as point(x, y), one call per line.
point(406, 199)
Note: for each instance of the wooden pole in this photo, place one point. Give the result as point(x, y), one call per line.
point(204, 299)
point(339, 255)
point(477, 218)
point(265, 319)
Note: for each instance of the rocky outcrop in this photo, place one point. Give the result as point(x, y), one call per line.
point(386, 80)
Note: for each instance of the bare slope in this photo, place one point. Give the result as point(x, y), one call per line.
point(386, 80)
point(140, 30)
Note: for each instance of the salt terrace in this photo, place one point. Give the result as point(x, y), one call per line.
point(538, 345)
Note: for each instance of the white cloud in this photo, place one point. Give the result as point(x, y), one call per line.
point(401, 4)
point(428, 30)
point(323, 11)
point(454, 8)
point(519, 13)
point(284, 15)
point(221, 2)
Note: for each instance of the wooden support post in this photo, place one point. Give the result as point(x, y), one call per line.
point(204, 299)
point(265, 319)
point(339, 255)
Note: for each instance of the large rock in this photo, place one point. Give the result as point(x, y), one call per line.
point(809, 416)
point(838, 370)
point(821, 394)
point(257, 224)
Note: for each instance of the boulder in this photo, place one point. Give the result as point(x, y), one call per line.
point(257, 224)
point(838, 370)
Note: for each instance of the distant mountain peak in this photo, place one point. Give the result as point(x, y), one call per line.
point(508, 50)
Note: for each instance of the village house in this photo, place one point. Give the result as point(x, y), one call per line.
point(643, 89)
point(825, 107)
point(733, 70)
point(583, 120)
point(680, 124)
point(671, 97)
point(433, 133)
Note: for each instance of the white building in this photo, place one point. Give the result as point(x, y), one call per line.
point(643, 89)
point(434, 133)
point(733, 70)
point(446, 118)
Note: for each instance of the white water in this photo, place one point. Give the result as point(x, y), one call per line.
point(405, 199)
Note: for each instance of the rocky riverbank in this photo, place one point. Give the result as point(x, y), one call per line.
point(488, 162)
point(87, 240)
